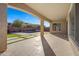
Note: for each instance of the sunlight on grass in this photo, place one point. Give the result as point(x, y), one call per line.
point(12, 35)
point(16, 38)
point(19, 36)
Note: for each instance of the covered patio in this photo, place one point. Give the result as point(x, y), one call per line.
point(49, 45)
point(53, 43)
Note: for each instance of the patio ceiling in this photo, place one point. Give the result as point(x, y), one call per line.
point(47, 11)
point(53, 11)
point(25, 8)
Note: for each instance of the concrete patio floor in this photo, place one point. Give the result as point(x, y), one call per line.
point(29, 47)
point(50, 45)
point(59, 44)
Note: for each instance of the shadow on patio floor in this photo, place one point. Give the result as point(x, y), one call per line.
point(61, 35)
point(47, 49)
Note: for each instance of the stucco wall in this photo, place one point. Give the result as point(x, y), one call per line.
point(3, 27)
point(63, 26)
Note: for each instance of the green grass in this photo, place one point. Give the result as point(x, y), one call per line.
point(19, 36)
point(11, 42)
point(12, 35)
point(24, 37)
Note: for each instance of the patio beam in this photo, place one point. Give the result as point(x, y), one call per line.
point(26, 8)
point(3, 27)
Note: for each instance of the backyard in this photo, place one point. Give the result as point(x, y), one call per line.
point(22, 28)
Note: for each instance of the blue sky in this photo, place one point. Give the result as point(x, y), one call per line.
point(13, 14)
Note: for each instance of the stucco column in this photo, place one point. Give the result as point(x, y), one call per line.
point(42, 27)
point(51, 27)
point(3, 27)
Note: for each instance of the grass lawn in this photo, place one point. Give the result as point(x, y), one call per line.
point(12, 35)
point(18, 37)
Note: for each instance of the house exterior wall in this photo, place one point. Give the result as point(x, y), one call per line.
point(50, 27)
point(73, 27)
point(63, 26)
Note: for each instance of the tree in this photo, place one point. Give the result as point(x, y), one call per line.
point(17, 23)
